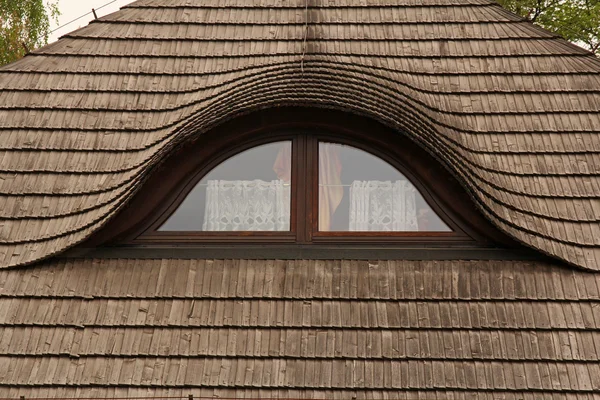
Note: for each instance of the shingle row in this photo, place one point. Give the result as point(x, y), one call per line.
point(309, 343)
point(301, 280)
point(303, 374)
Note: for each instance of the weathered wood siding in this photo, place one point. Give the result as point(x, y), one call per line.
point(321, 329)
point(511, 109)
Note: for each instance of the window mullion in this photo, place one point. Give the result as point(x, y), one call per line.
point(301, 207)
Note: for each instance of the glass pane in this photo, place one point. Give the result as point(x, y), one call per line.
point(361, 192)
point(247, 192)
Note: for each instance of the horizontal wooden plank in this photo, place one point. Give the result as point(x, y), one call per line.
point(301, 374)
point(368, 280)
point(299, 313)
point(207, 392)
point(302, 343)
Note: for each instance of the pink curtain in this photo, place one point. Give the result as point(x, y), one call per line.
point(331, 191)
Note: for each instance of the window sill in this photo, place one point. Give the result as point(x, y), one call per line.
point(318, 252)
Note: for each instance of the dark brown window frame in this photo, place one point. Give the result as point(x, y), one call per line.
point(304, 207)
point(169, 184)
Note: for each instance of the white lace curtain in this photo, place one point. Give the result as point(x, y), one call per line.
point(265, 206)
point(247, 206)
point(383, 206)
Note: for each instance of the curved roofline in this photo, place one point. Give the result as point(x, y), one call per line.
point(181, 169)
point(512, 110)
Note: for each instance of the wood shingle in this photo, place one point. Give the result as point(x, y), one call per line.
point(510, 108)
point(87, 324)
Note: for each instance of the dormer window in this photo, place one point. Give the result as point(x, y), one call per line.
point(345, 190)
point(304, 177)
point(250, 191)
point(360, 192)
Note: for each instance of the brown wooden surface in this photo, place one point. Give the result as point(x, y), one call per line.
point(301, 329)
point(296, 394)
point(511, 109)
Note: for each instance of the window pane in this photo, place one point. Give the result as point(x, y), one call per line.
point(360, 192)
point(247, 192)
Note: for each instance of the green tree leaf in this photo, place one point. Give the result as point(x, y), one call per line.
point(576, 20)
point(24, 26)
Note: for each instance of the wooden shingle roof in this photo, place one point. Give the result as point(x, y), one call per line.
point(299, 329)
point(510, 109)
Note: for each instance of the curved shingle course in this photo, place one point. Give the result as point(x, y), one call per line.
point(512, 110)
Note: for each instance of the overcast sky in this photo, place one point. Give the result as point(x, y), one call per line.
point(72, 9)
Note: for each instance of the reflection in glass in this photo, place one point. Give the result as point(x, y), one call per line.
point(247, 192)
point(360, 192)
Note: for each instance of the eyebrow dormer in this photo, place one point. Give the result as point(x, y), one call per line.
point(303, 176)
